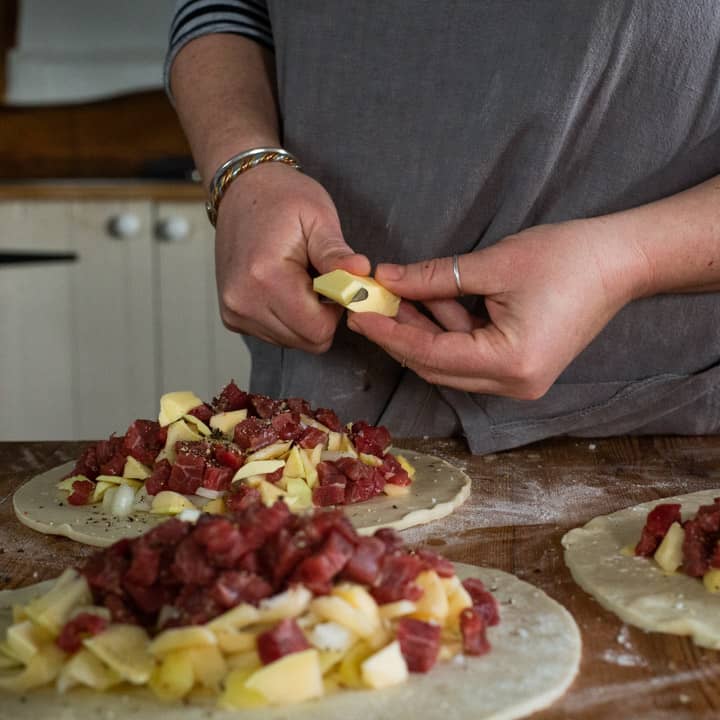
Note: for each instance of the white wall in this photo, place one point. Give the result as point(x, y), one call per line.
point(77, 50)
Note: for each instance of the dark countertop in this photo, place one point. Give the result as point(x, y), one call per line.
point(521, 504)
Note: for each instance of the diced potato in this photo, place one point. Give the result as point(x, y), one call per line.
point(124, 649)
point(135, 470)
point(334, 441)
point(84, 668)
point(359, 598)
point(209, 667)
point(288, 604)
point(24, 640)
point(51, 611)
point(405, 465)
point(390, 611)
point(448, 650)
point(257, 467)
point(310, 459)
point(297, 488)
point(168, 502)
point(392, 490)
point(8, 659)
point(342, 612)
point(235, 641)
point(100, 489)
point(433, 605)
point(174, 405)
point(215, 507)
point(7, 651)
point(342, 287)
point(669, 555)
point(248, 660)
point(312, 422)
point(270, 452)
point(67, 483)
point(711, 580)
point(182, 637)
point(237, 696)
point(347, 446)
point(270, 493)
point(98, 610)
point(179, 431)
point(225, 422)
point(329, 660)
point(458, 599)
point(331, 682)
point(293, 678)
point(118, 480)
point(349, 672)
point(372, 460)
point(385, 668)
point(173, 678)
point(235, 619)
point(43, 668)
point(199, 426)
point(294, 466)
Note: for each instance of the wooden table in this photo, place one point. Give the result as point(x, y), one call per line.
point(521, 504)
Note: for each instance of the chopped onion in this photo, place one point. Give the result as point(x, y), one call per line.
point(167, 612)
point(189, 515)
point(331, 636)
point(142, 500)
point(337, 454)
point(122, 501)
point(210, 494)
point(107, 498)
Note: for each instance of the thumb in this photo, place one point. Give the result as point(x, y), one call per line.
point(327, 250)
point(428, 280)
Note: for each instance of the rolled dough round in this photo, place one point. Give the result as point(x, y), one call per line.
point(438, 488)
point(535, 656)
point(635, 588)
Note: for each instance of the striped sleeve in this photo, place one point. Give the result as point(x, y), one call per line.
point(195, 18)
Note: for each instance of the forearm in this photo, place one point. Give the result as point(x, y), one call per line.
point(676, 241)
point(224, 90)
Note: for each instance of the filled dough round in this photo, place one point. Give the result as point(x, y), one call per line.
point(635, 588)
point(535, 656)
point(438, 488)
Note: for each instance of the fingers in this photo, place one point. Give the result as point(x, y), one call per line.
point(427, 280)
point(327, 250)
point(481, 361)
point(453, 316)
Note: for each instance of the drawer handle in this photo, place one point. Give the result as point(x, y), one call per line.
point(173, 228)
point(21, 257)
point(124, 225)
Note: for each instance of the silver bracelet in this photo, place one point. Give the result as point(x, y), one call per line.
point(239, 164)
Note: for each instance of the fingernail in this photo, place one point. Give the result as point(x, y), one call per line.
point(386, 271)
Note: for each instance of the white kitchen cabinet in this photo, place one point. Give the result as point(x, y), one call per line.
point(196, 351)
point(89, 345)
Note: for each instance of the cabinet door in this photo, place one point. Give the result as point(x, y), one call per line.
point(76, 338)
point(196, 351)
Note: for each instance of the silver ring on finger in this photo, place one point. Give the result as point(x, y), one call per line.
point(456, 274)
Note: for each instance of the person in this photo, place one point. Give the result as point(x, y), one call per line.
point(565, 152)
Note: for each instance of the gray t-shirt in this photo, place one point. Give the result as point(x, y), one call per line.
point(442, 127)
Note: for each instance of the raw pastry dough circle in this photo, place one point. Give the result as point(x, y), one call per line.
point(535, 656)
point(437, 490)
point(635, 588)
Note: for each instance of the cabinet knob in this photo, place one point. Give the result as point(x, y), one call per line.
point(124, 225)
point(175, 227)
